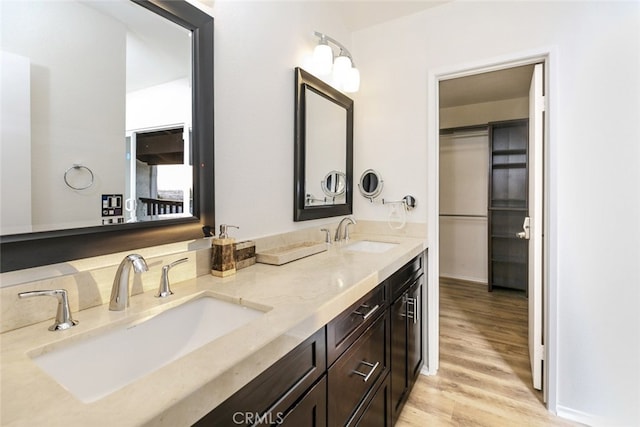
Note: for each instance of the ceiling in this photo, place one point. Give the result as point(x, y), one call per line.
point(359, 14)
point(493, 86)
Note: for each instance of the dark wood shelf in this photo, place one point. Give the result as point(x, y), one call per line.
point(508, 209)
point(508, 202)
point(508, 205)
point(509, 152)
point(509, 165)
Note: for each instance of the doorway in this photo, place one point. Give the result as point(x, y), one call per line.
point(474, 118)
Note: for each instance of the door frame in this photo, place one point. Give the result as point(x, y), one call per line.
point(548, 56)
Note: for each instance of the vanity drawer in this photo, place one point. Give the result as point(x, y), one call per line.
point(357, 372)
point(277, 388)
point(402, 278)
point(376, 411)
point(348, 326)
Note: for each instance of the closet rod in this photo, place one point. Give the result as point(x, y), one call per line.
point(463, 216)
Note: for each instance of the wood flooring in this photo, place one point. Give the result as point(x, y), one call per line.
point(484, 377)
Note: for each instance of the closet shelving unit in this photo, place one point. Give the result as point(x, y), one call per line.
point(508, 204)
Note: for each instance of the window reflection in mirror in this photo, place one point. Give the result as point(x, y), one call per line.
point(89, 78)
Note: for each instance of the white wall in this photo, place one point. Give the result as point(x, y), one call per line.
point(257, 46)
point(159, 106)
point(595, 164)
point(15, 144)
point(69, 86)
point(484, 112)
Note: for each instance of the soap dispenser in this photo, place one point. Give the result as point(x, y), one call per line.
point(223, 253)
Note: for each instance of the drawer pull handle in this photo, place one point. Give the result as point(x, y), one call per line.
point(367, 376)
point(413, 313)
point(368, 314)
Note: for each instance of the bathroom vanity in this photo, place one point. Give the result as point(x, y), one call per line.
point(338, 340)
point(358, 370)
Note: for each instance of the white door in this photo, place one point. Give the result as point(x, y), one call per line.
point(533, 229)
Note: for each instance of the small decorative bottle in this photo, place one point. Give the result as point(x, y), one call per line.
point(223, 262)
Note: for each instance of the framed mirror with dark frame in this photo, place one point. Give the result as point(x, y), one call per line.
point(26, 250)
point(323, 149)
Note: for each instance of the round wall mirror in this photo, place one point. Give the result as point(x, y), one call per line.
point(370, 184)
point(334, 183)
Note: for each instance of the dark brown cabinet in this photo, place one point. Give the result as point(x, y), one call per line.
point(283, 391)
point(406, 333)
point(508, 203)
point(376, 412)
point(310, 411)
point(356, 371)
point(348, 326)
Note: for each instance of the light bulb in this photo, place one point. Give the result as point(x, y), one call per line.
point(352, 84)
point(323, 59)
point(341, 67)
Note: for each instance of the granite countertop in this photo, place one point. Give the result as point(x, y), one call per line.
point(301, 297)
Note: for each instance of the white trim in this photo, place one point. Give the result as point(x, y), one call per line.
point(550, 251)
point(548, 55)
point(581, 417)
point(476, 280)
point(426, 371)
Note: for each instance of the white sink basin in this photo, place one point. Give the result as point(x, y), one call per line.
point(370, 246)
point(97, 366)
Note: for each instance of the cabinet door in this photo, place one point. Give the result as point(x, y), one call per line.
point(406, 344)
point(276, 389)
point(353, 377)
point(399, 384)
point(414, 331)
point(311, 411)
point(378, 411)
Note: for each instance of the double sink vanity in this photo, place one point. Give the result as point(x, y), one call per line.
point(335, 336)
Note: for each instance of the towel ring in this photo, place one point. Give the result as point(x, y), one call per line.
point(78, 166)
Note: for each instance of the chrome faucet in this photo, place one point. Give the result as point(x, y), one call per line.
point(120, 290)
point(349, 221)
point(63, 316)
point(164, 290)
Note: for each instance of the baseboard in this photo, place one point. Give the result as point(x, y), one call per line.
point(427, 372)
point(581, 417)
point(469, 280)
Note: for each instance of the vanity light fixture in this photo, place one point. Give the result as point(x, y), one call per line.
point(341, 71)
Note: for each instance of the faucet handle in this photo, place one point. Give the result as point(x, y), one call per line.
point(164, 290)
point(63, 315)
point(327, 236)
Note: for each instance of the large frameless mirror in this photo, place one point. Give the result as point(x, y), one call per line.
point(323, 150)
point(111, 134)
